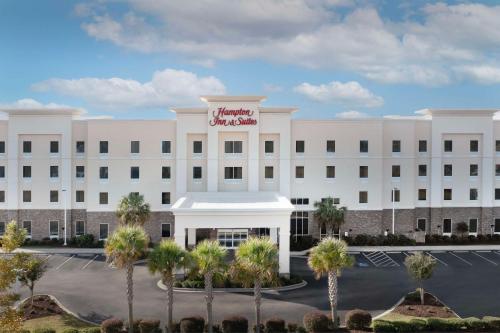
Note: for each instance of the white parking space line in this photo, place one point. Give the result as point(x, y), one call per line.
point(65, 261)
point(488, 260)
point(90, 261)
point(484, 251)
point(437, 259)
point(434, 251)
point(406, 254)
point(465, 261)
point(47, 258)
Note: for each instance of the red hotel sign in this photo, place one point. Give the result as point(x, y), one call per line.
point(232, 117)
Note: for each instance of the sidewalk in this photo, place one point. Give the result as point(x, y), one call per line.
point(59, 250)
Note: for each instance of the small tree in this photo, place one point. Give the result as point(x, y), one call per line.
point(256, 263)
point(30, 270)
point(13, 237)
point(329, 215)
point(133, 210)
point(330, 257)
point(165, 259)
point(420, 267)
point(462, 228)
point(209, 258)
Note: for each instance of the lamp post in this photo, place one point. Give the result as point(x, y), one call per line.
point(491, 227)
point(65, 217)
point(393, 208)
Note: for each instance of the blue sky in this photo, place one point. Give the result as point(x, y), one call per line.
point(330, 58)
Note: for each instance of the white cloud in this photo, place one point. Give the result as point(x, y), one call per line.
point(484, 74)
point(168, 87)
point(351, 115)
point(29, 103)
point(312, 34)
point(346, 94)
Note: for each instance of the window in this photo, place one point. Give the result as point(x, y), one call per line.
point(448, 146)
point(396, 171)
point(422, 170)
point(231, 238)
point(79, 228)
point(269, 147)
point(103, 231)
point(268, 172)
point(497, 146)
point(363, 146)
point(497, 170)
point(165, 198)
point(54, 147)
point(134, 172)
point(26, 196)
point(263, 232)
point(447, 226)
point(299, 172)
point(396, 146)
point(2, 196)
point(54, 196)
point(197, 147)
point(2, 228)
point(233, 147)
point(54, 171)
point(80, 171)
point(300, 146)
point(497, 194)
point(422, 194)
point(233, 173)
point(26, 171)
point(103, 172)
point(363, 171)
point(473, 170)
point(80, 147)
point(330, 171)
point(103, 198)
point(80, 196)
point(134, 147)
point(497, 226)
point(166, 147)
point(27, 147)
point(300, 201)
point(336, 201)
point(447, 194)
point(330, 146)
point(474, 146)
point(299, 223)
point(165, 172)
point(472, 226)
point(2, 171)
point(27, 227)
point(421, 224)
point(165, 230)
point(473, 195)
point(422, 146)
point(54, 229)
point(395, 196)
point(197, 172)
point(2, 147)
point(448, 170)
point(363, 197)
point(103, 147)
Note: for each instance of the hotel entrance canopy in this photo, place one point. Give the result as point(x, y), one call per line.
point(236, 210)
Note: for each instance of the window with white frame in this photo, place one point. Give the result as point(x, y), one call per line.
point(2, 196)
point(103, 231)
point(2, 228)
point(447, 226)
point(165, 172)
point(233, 173)
point(300, 146)
point(395, 195)
point(473, 170)
point(448, 146)
point(80, 147)
point(363, 197)
point(231, 238)
point(27, 227)
point(2, 147)
point(269, 147)
point(496, 229)
point(473, 226)
point(330, 171)
point(165, 198)
point(422, 170)
point(197, 147)
point(299, 172)
point(474, 146)
point(299, 223)
point(27, 196)
point(134, 172)
point(2, 171)
point(80, 196)
point(80, 171)
point(103, 147)
point(103, 172)
point(103, 198)
point(79, 228)
point(54, 147)
point(422, 194)
point(363, 146)
point(447, 194)
point(299, 201)
point(363, 171)
point(197, 175)
point(54, 171)
point(330, 146)
point(135, 147)
point(421, 224)
point(26, 147)
point(473, 194)
point(54, 196)
point(268, 172)
point(396, 146)
point(26, 171)
point(166, 230)
point(233, 147)
point(54, 229)
point(166, 147)
point(422, 146)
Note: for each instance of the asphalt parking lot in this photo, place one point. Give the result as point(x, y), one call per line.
point(467, 281)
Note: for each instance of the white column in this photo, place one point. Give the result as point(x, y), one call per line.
point(191, 236)
point(253, 159)
point(12, 167)
point(273, 234)
point(285, 156)
point(180, 157)
point(180, 235)
point(212, 158)
point(284, 250)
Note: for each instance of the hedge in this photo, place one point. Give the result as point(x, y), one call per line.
point(91, 330)
point(112, 325)
point(194, 324)
point(44, 330)
point(275, 325)
point(472, 324)
point(235, 324)
point(358, 319)
point(316, 322)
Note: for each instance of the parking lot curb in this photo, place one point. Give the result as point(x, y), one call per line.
point(236, 290)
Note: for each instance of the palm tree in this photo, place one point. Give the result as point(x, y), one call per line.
point(420, 266)
point(165, 259)
point(257, 263)
point(133, 210)
point(124, 247)
point(209, 257)
point(329, 215)
point(330, 257)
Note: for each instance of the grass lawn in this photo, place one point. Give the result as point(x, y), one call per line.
point(393, 316)
point(57, 322)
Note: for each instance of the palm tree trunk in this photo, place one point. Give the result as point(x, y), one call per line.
point(32, 292)
point(130, 297)
point(421, 293)
point(332, 295)
point(257, 293)
point(169, 284)
point(209, 297)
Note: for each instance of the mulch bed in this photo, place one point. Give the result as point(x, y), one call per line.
point(432, 307)
point(43, 306)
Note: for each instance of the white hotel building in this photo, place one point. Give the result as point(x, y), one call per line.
point(234, 168)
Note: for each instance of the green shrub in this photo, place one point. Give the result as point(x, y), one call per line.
point(91, 330)
point(194, 324)
point(445, 325)
point(292, 327)
point(358, 319)
point(301, 243)
point(476, 325)
point(316, 322)
point(383, 326)
point(419, 325)
point(403, 326)
point(235, 324)
point(301, 329)
point(136, 325)
point(149, 326)
point(44, 330)
point(493, 322)
point(70, 330)
point(84, 240)
point(275, 325)
point(112, 325)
